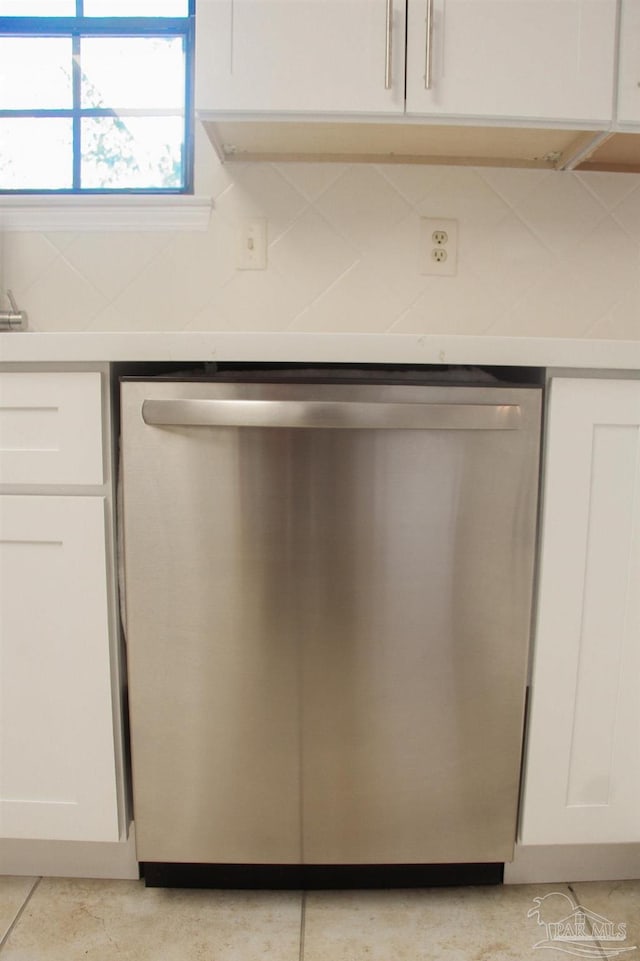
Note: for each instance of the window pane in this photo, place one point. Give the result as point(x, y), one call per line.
point(132, 153)
point(35, 73)
point(150, 72)
point(37, 8)
point(35, 154)
point(136, 8)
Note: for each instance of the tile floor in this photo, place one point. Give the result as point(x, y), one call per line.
point(52, 919)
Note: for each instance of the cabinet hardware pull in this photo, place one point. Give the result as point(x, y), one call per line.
point(387, 49)
point(428, 54)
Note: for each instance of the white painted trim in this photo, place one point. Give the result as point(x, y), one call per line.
point(70, 859)
point(546, 864)
point(75, 213)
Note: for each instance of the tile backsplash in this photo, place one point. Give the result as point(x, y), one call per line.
point(540, 254)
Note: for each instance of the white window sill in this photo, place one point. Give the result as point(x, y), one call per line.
point(73, 213)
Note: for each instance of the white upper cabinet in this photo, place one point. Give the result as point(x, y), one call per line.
point(629, 69)
point(520, 60)
point(301, 56)
point(512, 59)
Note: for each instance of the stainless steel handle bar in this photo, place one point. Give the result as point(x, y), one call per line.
point(330, 414)
point(428, 54)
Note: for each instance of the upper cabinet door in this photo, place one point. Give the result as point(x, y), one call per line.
point(512, 59)
point(339, 56)
point(629, 69)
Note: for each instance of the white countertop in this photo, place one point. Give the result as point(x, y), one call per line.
point(80, 347)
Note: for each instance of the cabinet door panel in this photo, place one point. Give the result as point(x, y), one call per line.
point(629, 69)
point(57, 777)
point(519, 59)
point(299, 55)
point(582, 775)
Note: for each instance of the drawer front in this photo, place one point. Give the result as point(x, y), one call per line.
point(51, 428)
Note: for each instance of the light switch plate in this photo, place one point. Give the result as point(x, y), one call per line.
point(252, 245)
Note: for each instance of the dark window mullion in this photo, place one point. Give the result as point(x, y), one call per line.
point(77, 95)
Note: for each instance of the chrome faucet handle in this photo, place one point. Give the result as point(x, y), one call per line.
point(13, 319)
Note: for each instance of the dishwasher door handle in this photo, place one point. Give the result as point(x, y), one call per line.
point(330, 414)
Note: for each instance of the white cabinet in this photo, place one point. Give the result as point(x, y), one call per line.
point(629, 65)
point(324, 56)
point(58, 751)
point(582, 774)
point(51, 428)
point(521, 59)
point(58, 775)
point(491, 59)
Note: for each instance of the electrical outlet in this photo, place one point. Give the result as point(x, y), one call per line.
point(438, 246)
point(252, 245)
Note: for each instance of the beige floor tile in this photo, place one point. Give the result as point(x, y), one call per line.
point(13, 894)
point(456, 924)
point(122, 921)
point(619, 902)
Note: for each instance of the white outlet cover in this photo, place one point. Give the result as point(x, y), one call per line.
point(430, 263)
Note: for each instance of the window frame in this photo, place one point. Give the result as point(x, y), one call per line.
point(75, 28)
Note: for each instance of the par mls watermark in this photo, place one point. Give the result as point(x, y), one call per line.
point(574, 929)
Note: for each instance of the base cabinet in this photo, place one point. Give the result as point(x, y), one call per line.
point(60, 740)
point(58, 775)
point(582, 774)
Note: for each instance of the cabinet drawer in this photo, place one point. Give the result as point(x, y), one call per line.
point(51, 428)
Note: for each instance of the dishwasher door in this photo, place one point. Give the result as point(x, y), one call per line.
point(328, 600)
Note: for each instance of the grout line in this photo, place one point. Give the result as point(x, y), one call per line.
point(20, 913)
point(303, 911)
point(589, 925)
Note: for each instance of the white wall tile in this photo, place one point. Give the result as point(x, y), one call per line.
point(561, 211)
point(540, 253)
point(507, 256)
point(63, 296)
point(361, 205)
point(110, 263)
point(360, 301)
point(413, 181)
point(257, 300)
point(609, 188)
point(462, 307)
point(26, 256)
point(513, 185)
point(462, 194)
point(622, 321)
point(311, 179)
point(311, 255)
point(259, 190)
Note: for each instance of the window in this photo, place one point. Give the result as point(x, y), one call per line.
point(96, 96)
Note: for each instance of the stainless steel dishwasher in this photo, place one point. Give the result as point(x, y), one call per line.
point(328, 600)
